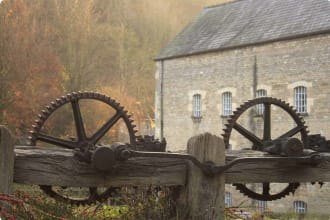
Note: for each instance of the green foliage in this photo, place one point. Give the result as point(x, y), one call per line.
point(132, 204)
point(113, 212)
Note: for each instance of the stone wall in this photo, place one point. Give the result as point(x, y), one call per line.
point(278, 67)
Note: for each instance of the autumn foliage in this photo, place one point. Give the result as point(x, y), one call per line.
point(50, 48)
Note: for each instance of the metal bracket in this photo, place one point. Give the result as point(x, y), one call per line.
point(120, 152)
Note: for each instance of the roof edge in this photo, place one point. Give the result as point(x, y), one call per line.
point(243, 45)
point(222, 4)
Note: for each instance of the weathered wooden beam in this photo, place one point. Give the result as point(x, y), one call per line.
point(42, 166)
point(203, 196)
point(270, 171)
point(59, 167)
point(6, 160)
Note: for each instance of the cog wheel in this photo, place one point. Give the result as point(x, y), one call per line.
point(260, 143)
point(265, 194)
point(83, 142)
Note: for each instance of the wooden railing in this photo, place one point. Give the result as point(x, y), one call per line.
point(201, 197)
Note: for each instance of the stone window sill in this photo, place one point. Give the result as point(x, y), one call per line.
point(303, 114)
point(225, 116)
point(196, 119)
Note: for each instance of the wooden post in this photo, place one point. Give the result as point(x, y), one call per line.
point(203, 196)
point(6, 160)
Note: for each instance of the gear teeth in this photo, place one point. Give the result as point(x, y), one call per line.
point(42, 117)
point(89, 95)
point(226, 130)
point(54, 105)
point(38, 122)
point(78, 94)
point(230, 121)
point(31, 141)
point(33, 133)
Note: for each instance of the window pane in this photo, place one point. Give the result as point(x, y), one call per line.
point(228, 199)
point(226, 103)
point(197, 107)
point(260, 107)
point(300, 207)
point(261, 206)
point(300, 99)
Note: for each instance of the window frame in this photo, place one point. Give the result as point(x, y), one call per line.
point(228, 199)
point(197, 106)
point(300, 99)
point(300, 207)
point(260, 205)
point(227, 104)
point(260, 107)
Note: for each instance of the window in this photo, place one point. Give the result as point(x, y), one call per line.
point(197, 106)
point(228, 199)
point(300, 99)
point(300, 207)
point(226, 104)
point(261, 206)
point(260, 107)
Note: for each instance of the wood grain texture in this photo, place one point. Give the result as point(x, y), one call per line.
point(203, 197)
point(281, 172)
point(59, 167)
point(43, 166)
point(6, 160)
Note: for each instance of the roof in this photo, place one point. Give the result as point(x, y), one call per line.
point(249, 22)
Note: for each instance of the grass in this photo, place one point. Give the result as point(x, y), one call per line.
point(134, 204)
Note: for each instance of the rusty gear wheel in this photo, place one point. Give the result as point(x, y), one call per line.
point(265, 195)
point(81, 143)
point(260, 143)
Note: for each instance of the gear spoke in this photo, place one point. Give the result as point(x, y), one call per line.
point(105, 128)
point(259, 144)
point(265, 189)
point(249, 135)
point(292, 132)
point(92, 193)
point(78, 121)
point(83, 142)
point(267, 122)
point(56, 141)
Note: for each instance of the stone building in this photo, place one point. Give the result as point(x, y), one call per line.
point(234, 52)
